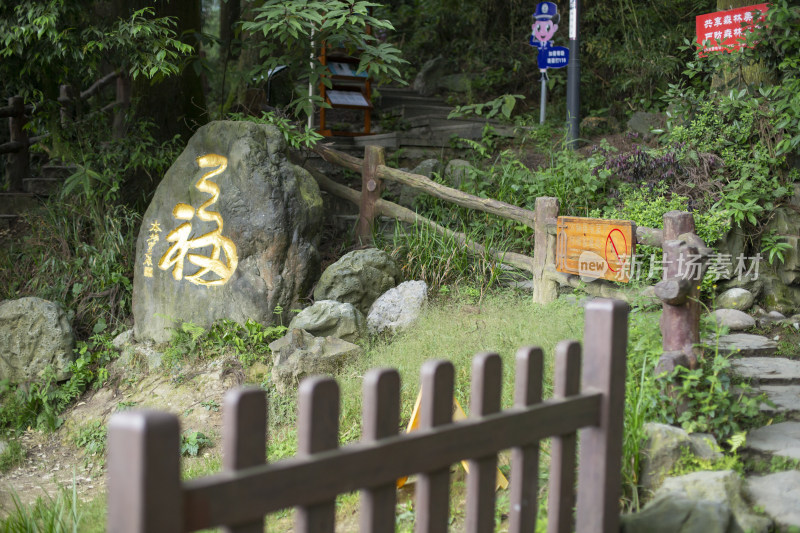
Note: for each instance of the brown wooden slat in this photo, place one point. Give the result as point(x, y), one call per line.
point(525, 459)
point(561, 493)
point(605, 342)
point(144, 491)
point(381, 419)
point(11, 147)
point(317, 431)
point(244, 438)
point(436, 409)
point(296, 481)
point(487, 380)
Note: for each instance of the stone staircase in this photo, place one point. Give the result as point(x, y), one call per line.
point(779, 377)
point(46, 179)
point(421, 127)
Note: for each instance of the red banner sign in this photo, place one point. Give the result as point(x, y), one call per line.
point(729, 27)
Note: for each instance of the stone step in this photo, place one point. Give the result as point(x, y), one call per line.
point(785, 397)
point(42, 186)
point(745, 345)
point(777, 439)
point(394, 96)
point(14, 203)
point(767, 370)
point(778, 495)
point(409, 111)
point(437, 121)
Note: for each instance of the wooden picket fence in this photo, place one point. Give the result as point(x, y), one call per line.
point(680, 325)
point(146, 494)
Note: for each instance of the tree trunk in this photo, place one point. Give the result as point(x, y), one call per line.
point(230, 12)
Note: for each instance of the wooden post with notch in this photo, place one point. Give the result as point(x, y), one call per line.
point(371, 188)
point(122, 105)
point(545, 290)
point(680, 318)
point(18, 161)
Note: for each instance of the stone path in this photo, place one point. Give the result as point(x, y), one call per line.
point(779, 377)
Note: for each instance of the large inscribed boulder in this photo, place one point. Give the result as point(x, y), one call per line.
point(232, 232)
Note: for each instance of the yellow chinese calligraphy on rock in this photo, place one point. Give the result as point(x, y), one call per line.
point(213, 271)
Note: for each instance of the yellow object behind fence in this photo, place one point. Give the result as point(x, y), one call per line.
point(458, 414)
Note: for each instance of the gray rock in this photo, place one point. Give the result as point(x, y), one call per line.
point(427, 167)
point(34, 333)
point(429, 77)
point(300, 354)
point(705, 446)
point(777, 439)
point(456, 171)
point(662, 449)
point(397, 308)
point(733, 319)
point(265, 224)
point(785, 221)
point(643, 123)
point(773, 370)
point(777, 296)
point(785, 397)
point(723, 487)
point(123, 339)
point(3, 446)
point(358, 277)
point(328, 318)
point(737, 298)
point(746, 345)
point(457, 83)
point(778, 494)
point(678, 514)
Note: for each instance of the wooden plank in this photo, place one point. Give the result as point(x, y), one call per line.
point(144, 477)
point(605, 342)
point(371, 189)
point(595, 248)
point(261, 490)
point(381, 419)
point(566, 383)
point(244, 438)
point(486, 205)
point(487, 380)
point(525, 459)
point(317, 431)
point(436, 409)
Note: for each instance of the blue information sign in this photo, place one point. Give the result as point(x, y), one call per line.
point(545, 24)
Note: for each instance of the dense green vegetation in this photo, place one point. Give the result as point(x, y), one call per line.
point(729, 154)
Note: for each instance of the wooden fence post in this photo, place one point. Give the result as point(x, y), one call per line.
point(66, 97)
point(605, 343)
point(144, 476)
point(244, 437)
point(17, 167)
point(680, 320)
point(525, 459)
point(371, 189)
point(545, 290)
point(566, 383)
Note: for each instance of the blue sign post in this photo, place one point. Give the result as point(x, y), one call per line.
point(545, 24)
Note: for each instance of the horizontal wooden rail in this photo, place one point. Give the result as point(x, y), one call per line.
point(403, 214)
point(12, 147)
point(422, 183)
point(208, 501)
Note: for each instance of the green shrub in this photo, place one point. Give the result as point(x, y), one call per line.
point(194, 441)
point(12, 455)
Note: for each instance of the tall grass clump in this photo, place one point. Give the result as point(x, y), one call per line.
point(46, 514)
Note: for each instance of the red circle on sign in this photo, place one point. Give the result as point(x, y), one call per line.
point(614, 241)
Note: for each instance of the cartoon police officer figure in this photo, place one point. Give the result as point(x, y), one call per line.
point(545, 24)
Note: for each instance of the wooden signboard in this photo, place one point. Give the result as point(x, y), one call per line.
point(595, 248)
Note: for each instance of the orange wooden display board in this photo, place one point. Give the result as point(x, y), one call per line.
point(595, 248)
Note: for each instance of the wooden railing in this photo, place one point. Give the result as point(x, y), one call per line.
point(145, 492)
point(680, 325)
point(18, 114)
